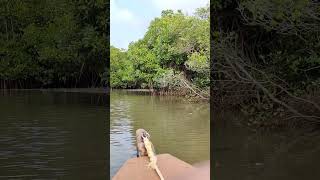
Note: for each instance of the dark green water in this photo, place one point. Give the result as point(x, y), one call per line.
point(242, 154)
point(53, 135)
point(176, 127)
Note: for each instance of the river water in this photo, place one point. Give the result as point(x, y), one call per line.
point(53, 135)
point(63, 135)
point(243, 154)
point(176, 126)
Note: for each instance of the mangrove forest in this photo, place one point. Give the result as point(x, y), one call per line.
point(53, 43)
point(266, 60)
point(172, 57)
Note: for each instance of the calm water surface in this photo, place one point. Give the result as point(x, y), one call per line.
point(176, 127)
point(53, 135)
point(242, 154)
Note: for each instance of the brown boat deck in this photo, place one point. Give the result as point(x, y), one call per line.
point(136, 168)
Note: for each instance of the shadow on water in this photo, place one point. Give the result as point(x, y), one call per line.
point(240, 153)
point(177, 126)
point(56, 135)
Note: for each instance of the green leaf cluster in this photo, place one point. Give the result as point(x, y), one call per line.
point(173, 43)
point(52, 43)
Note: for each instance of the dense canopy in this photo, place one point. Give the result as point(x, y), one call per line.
point(267, 58)
point(53, 43)
point(174, 51)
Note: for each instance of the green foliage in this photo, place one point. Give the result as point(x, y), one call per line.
point(56, 43)
point(167, 79)
point(121, 69)
point(295, 51)
point(267, 54)
point(173, 43)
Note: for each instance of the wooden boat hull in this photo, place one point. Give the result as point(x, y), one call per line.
point(136, 168)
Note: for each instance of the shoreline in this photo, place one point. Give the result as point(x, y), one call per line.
point(66, 90)
point(160, 92)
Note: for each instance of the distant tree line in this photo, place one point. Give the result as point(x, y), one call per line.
point(53, 43)
point(173, 55)
point(266, 59)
